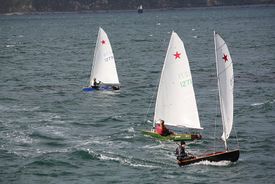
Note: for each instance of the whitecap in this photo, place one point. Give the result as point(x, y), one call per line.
point(139, 165)
point(263, 103)
point(23, 139)
point(125, 161)
point(10, 46)
point(257, 104)
point(104, 157)
point(128, 137)
point(46, 151)
point(131, 129)
point(220, 163)
point(153, 147)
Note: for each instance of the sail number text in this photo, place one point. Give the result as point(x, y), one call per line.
point(186, 83)
point(185, 79)
point(109, 58)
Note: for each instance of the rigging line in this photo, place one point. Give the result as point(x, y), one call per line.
point(217, 95)
point(155, 91)
point(92, 59)
point(216, 117)
point(151, 102)
point(219, 48)
point(88, 81)
point(238, 144)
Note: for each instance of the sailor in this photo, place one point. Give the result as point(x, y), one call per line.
point(96, 84)
point(180, 151)
point(115, 87)
point(162, 130)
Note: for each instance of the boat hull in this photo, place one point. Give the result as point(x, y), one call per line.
point(176, 137)
point(101, 88)
point(231, 156)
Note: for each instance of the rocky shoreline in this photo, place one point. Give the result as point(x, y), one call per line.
point(32, 6)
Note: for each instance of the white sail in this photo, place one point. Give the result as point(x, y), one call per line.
point(225, 84)
point(176, 103)
point(104, 67)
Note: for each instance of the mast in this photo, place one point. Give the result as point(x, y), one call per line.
point(95, 52)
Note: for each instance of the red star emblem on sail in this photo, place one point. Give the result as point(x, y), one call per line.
point(103, 42)
point(225, 58)
point(177, 55)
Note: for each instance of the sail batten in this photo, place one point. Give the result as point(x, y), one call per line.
point(176, 102)
point(104, 67)
point(221, 72)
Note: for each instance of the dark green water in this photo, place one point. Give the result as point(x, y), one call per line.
point(52, 132)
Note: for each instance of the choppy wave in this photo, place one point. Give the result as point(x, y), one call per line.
point(10, 46)
point(257, 104)
point(84, 154)
point(51, 163)
point(48, 126)
point(17, 108)
point(263, 103)
point(126, 161)
point(49, 132)
point(221, 163)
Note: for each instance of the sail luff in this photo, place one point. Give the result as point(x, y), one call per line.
point(158, 110)
point(95, 52)
point(176, 103)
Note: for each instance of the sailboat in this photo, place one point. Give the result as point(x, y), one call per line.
point(104, 68)
point(140, 9)
point(176, 102)
point(225, 78)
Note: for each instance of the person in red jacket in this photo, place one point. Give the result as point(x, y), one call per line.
point(162, 130)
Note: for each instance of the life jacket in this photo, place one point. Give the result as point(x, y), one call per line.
point(161, 131)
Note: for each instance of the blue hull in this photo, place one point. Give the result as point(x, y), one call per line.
point(101, 88)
